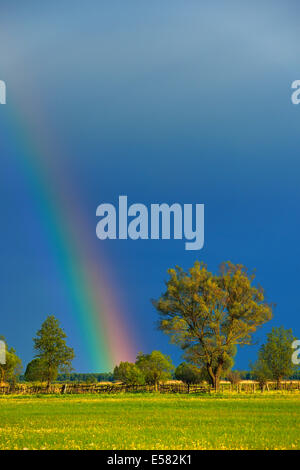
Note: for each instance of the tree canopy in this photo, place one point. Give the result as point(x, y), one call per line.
point(36, 371)
point(234, 377)
point(260, 372)
point(190, 374)
point(54, 354)
point(275, 356)
point(129, 374)
point(156, 367)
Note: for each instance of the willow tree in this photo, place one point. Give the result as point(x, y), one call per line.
point(209, 315)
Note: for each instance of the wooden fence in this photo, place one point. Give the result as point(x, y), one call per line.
point(184, 388)
point(173, 387)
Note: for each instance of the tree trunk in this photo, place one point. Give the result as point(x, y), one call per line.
point(211, 376)
point(278, 384)
point(48, 381)
point(218, 376)
point(217, 383)
point(215, 377)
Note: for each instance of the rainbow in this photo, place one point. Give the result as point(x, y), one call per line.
point(102, 323)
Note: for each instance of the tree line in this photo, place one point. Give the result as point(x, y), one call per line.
point(207, 315)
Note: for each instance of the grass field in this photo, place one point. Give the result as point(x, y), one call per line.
point(150, 422)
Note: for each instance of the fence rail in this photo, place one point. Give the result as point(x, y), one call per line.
point(79, 388)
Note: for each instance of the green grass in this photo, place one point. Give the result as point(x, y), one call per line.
point(150, 421)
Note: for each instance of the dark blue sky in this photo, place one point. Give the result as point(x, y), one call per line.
point(176, 101)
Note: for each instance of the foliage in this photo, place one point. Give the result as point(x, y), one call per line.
point(295, 375)
point(36, 371)
point(129, 374)
point(246, 374)
point(261, 372)
point(91, 379)
point(52, 350)
point(276, 355)
point(156, 367)
point(10, 371)
point(234, 377)
point(190, 374)
point(210, 315)
point(88, 378)
point(193, 355)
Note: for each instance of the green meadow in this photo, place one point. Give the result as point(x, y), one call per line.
point(150, 421)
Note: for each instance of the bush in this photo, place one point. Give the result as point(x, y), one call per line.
point(189, 374)
point(129, 374)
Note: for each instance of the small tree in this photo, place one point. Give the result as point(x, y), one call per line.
point(52, 350)
point(234, 377)
point(190, 374)
point(276, 354)
point(36, 371)
point(91, 379)
point(129, 374)
point(212, 313)
point(10, 371)
point(261, 373)
point(156, 367)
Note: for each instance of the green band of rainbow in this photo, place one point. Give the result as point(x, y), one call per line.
point(101, 322)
